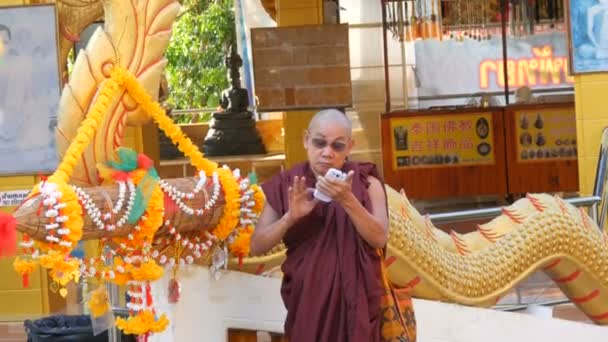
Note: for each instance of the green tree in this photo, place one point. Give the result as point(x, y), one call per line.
point(201, 36)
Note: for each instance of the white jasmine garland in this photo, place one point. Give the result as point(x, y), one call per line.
point(51, 226)
point(26, 244)
point(65, 243)
point(51, 213)
point(49, 201)
point(52, 238)
point(122, 188)
point(62, 219)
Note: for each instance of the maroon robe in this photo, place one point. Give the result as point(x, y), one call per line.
point(331, 285)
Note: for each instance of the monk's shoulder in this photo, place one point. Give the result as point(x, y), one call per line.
point(374, 184)
point(282, 180)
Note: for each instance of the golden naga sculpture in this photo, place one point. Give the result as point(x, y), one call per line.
point(73, 17)
point(540, 232)
point(136, 36)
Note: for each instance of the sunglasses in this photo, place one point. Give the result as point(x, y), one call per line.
point(337, 146)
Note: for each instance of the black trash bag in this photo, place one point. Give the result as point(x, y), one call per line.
point(65, 328)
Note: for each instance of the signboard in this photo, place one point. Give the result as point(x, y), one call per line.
point(538, 61)
point(442, 141)
point(301, 67)
point(545, 134)
point(12, 198)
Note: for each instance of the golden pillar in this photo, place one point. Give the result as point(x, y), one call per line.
point(591, 119)
point(296, 13)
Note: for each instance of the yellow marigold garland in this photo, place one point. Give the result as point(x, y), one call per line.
point(259, 198)
point(241, 245)
point(109, 90)
point(62, 270)
point(99, 302)
point(166, 124)
point(24, 267)
point(230, 186)
point(142, 323)
point(232, 205)
point(74, 223)
point(147, 271)
point(62, 267)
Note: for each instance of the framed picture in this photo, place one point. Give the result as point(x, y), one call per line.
point(30, 88)
point(587, 35)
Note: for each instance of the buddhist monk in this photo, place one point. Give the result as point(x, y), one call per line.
point(331, 285)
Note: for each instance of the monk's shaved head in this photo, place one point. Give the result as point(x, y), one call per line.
point(331, 117)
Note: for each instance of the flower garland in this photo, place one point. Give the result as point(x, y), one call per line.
point(230, 217)
point(138, 265)
point(64, 230)
point(258, 198)
point(178, 196)
point(100, 219)
point(165, 123)
point(24, 268)
point(63, 209)
point(99, 303)
point(133, 263)
point(143, 323)
point(229, 184)
point(132, 256)
point(110, 90)
point(252, 204)
point(240, 246)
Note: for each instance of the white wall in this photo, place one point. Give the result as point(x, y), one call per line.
point(209, 307)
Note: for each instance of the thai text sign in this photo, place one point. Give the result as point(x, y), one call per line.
point(442, 140)
point(542, 69)
point(12, 198)
point(545, 134)
point(538, 61)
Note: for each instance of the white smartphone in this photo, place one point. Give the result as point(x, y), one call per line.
point(332, 174)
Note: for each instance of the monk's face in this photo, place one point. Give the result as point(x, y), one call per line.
point(327, 147)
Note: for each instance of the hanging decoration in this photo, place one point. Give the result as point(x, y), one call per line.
point(477, 20)
point(142, 222)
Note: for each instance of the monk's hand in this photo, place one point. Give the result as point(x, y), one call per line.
point(337, 189)
point(301, 201)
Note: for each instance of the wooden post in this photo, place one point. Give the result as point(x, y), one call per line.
point(29, 222)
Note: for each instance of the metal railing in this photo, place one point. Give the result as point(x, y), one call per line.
point(523, 307)
point(489, 213)
point(601, 175)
